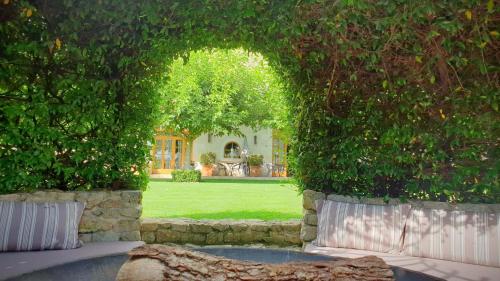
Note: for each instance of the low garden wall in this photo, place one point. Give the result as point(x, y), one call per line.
point(220, 232)
point(310, 220)
point(108, 215)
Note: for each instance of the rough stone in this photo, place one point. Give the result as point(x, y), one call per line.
point(310, 217)
point(105, 236)
point(308, 232)
point(238, 227)
point(215, 238)
point(182, 226)
point(149, 225)
point(309, 197)
point(85, 237)
point(201, 228)
point(133, 212)
point(131, 196)
point(208, 232)
point(148, 237)
point(128, 225)
point(130, 236)
point(168, 236)
point(142, 270)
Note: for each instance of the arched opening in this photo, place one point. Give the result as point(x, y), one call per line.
point(232, 150)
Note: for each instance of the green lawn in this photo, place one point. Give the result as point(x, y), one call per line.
point(222, 199)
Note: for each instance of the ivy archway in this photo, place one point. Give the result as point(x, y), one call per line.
point(394, 98)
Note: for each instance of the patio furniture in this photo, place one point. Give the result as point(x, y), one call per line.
point(446, 270)
point(231, 167)
point(448, 243)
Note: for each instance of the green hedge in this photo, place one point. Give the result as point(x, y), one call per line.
point(186, 176)
point(393, 98)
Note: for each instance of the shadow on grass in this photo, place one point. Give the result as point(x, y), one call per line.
point(237, 215)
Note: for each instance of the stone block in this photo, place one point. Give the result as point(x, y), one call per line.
point(215, 238)
point(194, 238)
point(148, 237)
point(149, 225)
point(181, 226)
point(88, 225)
point(219, 226)
point(13, 197)
point(309, 197)
point(231, 237)
point(201, 228)
point(130, 236)
point(310, 217)
point(291, 226)
point(168, 236)
point(105, 236)
point(85, 237)
point(131, 196)
point(65, 196)
point(259, 227)
point(128, 225)
point(111, 203)
point(131, 212)
point(308, 232)
point(293, 238)
point(239, 227)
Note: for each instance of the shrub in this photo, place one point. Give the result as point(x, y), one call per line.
point(186, 176)
point(207, 158)
point(255, 159)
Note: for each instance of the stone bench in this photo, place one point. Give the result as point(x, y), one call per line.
point(14, 264)
point(447, 270)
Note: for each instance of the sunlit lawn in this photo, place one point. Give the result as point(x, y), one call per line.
point(222, 199)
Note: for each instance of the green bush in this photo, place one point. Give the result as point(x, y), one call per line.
point(255, 159)
point(392, 98)
point(186, 176)
point(207, 158)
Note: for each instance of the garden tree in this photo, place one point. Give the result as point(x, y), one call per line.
point(390, 98)
point(218, 91)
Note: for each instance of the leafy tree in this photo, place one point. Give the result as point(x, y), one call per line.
point(218, 91)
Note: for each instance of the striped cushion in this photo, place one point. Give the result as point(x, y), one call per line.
point(27, 226)
point(468, 237)
point(361, 226)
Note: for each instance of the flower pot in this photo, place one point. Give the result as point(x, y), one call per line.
point(255, 171)
point(207, 170)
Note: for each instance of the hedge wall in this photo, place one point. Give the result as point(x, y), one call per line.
point(394, 98)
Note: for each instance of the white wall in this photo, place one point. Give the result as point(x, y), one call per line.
point(263, 146)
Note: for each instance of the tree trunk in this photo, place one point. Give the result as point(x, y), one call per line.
point(187, 159)
point(160, 262)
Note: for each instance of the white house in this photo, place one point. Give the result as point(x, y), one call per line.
point(169, 152)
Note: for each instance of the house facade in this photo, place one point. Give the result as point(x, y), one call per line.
point(170, 151)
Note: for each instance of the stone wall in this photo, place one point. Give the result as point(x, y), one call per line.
point(220, 232)
point(310, 220)
point(108, 215)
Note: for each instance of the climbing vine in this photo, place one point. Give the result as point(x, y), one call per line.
point(394, 98)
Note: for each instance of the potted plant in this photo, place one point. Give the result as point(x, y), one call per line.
point(207, 161)
point(255, 162)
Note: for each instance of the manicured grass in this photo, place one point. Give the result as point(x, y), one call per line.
point(222, 199)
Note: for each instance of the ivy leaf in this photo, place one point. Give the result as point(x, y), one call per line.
point(58, 43)
point(468, 15)
point(489, 6)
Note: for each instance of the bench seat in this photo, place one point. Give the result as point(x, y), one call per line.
point(448, 270)
point(17, 263)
